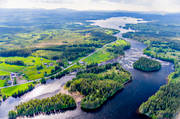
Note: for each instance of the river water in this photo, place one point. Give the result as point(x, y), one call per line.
point(124, 104)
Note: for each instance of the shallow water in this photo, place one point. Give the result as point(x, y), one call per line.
point(52, 87)
point(124, 104)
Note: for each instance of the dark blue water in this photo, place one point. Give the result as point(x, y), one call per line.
point(125, 103)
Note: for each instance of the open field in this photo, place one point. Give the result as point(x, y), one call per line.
point(38, 54)
point(2, 83)
point(14, 89)
point(105, 54)
point(29, 70)
point(100, 56)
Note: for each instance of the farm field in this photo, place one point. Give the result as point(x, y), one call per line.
point(46, 53)
point(52, 48)
point(29, 70)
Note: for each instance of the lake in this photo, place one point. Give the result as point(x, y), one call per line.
point(125, 103)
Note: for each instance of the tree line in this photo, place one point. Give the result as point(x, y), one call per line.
point(15, 62)
point(46, 106)
point(19, 93)
point(98, 84)
point(164, 104)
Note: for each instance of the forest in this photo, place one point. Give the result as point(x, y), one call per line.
point(147, 65)
point(163, 43)
point(36, 44)
point(49, 105)
point(164, 103)
point(39, 59)
point(98, 84)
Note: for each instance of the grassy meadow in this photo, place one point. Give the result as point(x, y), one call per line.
point(30, 53)
point(30, 70)
point(14, 89)
point(103, 54)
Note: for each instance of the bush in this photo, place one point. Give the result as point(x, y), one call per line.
point(16, 62)
point(12, 115)
point(43, 81)
point(39, 67)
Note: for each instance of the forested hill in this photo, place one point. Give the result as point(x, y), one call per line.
point(44, 19)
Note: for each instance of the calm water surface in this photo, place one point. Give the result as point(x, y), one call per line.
point(124, 104)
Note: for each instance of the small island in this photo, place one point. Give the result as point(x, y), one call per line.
point(48, 105)
point(147, 65)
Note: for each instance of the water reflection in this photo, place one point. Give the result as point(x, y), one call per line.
point(125, 103)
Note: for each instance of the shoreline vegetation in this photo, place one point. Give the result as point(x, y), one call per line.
point(164, 103)
point(147, 65)
point(164, 46)
point(76, 95)
point(47, 64)
point(107, 79)
point(59, 44)
point(16, 91)
point(115, 71)
point(48, 105)
point(98, 84)
point(39, 62)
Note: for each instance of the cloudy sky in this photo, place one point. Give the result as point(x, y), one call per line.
point(130, 5)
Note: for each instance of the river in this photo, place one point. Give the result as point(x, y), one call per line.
point(124, 104)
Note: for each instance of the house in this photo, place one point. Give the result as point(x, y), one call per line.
point(81, 62)
point(9, 82)
point(51, 64)
point(13, 75)
point(70, 62)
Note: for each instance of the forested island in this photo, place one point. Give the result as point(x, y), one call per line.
point(41, 44)
point(98, 84)
point(46, 106)
point(147, 65)
point(162, 44)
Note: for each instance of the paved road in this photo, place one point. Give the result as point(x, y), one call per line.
point(63, 69)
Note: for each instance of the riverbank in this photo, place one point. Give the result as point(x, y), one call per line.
point(76, 95)
point(128, 100)
point(165, 102)
point(54, 104)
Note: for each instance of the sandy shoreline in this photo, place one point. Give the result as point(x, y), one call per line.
point(76, 95)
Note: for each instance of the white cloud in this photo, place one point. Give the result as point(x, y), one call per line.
point(130, 5)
